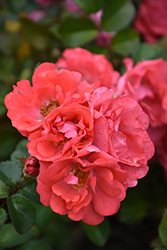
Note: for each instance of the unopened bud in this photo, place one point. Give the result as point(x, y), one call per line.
point(32, 166)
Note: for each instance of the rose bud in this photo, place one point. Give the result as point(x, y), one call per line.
point(32, 166)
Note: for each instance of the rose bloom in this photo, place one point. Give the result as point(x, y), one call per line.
point(120, 130)
point(146, 82)
point(94, 68)
point(151, 19)
point(29, 105)
point(86, 189)
point(66, 131)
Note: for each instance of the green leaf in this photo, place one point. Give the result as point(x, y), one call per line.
point(22, 213)
point(98, 234)
point(21, 151)
point(12, 170)
point(21, 146)
point(28, 190)
point(3, 190)
point(163, 230)
point(10, 238)
point(77, 32)
point(146, 51)
point(126, 41)
point(4, 91)
point(90, 6)
point(117, 15)
point(3, 216)
point(6, 180)
point(2, 213)
point(34, 245)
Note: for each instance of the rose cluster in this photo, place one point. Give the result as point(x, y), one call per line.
point(87, 127)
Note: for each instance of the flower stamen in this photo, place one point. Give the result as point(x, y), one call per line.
point(46, 109)
point(82, 176)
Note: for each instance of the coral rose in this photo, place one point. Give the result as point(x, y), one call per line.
point(66, 131)
point(86, 189)
point(120, 130)
point(28, 105)
point(146, 82)
point(151, 19)
point(94, 68)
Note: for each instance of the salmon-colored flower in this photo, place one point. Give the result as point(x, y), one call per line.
point(29, 105)
point(66, 131)
point(93, 68)
point(86, 188)
point(146, 82)
point(120, 130)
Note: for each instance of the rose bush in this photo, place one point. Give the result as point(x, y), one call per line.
point(150, 20)
point(91, 143)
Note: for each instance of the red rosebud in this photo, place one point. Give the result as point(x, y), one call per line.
point(32, 166)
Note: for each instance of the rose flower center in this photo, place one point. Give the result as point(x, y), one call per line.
point(47, 108)
point(82, 176)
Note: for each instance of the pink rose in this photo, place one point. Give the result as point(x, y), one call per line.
point(151, 19)
point(66, 131)
point(120, 130)
point(86, 189)
point(146, 82)
point(93, 68)
point(28, 105)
